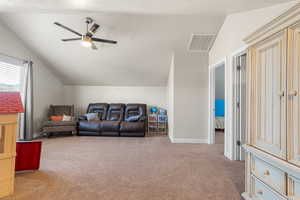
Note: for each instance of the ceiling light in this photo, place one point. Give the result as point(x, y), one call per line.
point(86, 41)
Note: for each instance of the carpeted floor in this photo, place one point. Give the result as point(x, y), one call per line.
point(219, 137)
point(111, 168)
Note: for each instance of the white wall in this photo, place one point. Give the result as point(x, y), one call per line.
point(170, 100)
point(81, 96)
point(190, 97)
point(238, 26)
point(229, 41)
point(48, 89)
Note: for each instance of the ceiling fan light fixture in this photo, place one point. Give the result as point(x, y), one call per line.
point(86, 41)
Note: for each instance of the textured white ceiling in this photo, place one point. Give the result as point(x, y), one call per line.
point(141, 57)
point(211, 7)
point(147, 33)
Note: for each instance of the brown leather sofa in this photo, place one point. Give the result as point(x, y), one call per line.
point(115, 120)
point(134, 123)
point(92, 128)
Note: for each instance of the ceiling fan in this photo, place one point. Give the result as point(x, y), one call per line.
point(87, 40)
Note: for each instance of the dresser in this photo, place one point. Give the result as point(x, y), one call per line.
point(273, 110)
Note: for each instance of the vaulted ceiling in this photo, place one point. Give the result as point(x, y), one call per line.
point(147, 33)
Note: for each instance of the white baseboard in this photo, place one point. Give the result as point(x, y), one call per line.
point(171, 138)
point(246, 196)
point(189, 140)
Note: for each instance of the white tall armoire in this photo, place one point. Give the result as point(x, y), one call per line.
point(273, 110)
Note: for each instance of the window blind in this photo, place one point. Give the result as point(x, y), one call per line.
point(11, 77)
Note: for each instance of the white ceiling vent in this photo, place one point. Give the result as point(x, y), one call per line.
point(201, 42)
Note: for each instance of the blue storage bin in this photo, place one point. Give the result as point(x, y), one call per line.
point(162, 118)
point(220, 108)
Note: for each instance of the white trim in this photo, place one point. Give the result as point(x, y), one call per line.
point(211, 105)
point(171, 138)
point(234, 55)
point(189, 140)
point(219, 63)
point(240, 51)
point(246, 196)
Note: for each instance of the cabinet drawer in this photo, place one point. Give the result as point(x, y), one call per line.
point(260, 191)
point(293, 188)
point(270, 175)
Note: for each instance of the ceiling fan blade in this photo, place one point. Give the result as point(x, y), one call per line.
point(104, 41)
point(94, 28)
point(64, 27)
point(94, 47)
point(70, 39)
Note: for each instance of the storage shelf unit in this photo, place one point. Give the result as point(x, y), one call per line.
point(157, 124)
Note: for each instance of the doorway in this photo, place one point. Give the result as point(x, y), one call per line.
point(219, 104)
point(217, 72)
point(239, 108)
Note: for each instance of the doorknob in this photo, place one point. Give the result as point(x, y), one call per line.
point(293, 93)
point(260, 192)
point(267, 173)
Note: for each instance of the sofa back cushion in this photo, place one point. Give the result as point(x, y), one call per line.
point(100, 108)
point(116, 112)
point(92, 116)
point(135, 112)
point(56, 118)
point(60, 110)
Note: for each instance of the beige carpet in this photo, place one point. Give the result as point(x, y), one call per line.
point(219, 138)
point(112, 168)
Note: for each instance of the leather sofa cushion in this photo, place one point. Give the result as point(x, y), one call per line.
point(135, 112)
point(110, 126)
point(89, 126)
point(59, 123)
point(92, 116)
point(100, 108)
point(133, 118)
point(132, 127)
point(116, 112)
point(114, 115)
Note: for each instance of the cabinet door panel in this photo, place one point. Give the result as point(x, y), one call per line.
point(268, 85)
point(293, 101)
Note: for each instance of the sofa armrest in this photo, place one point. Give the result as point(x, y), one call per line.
point(82, 117)
point(142, 119)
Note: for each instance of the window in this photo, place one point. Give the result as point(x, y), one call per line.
point(11, 78)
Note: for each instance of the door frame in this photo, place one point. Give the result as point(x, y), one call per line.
point(235, 136)
point(211, 101)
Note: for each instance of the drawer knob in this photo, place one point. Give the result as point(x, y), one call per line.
point(260, 192)
point(267, 173)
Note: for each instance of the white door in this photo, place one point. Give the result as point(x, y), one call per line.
point(268, 99)
point(293, 100)
point(240, 105)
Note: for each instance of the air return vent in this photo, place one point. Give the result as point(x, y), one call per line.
point(201, 42)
